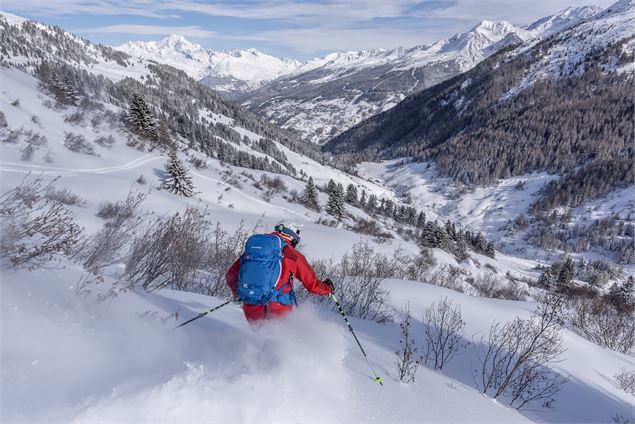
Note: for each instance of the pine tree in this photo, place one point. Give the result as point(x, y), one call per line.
point(310, 195)
point(567, 270)
point(140, 118)
point(63, 90)
point(351, 195)
point(421, 220)
point(362, 199)
point(430, 234)
point(335, 203)
point(371, 205)
point(178, 180)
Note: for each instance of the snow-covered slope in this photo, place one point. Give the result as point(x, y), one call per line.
point(570, 48)
point(562, 20)
point(232, 72)
point(327, 95)
point(70, 358)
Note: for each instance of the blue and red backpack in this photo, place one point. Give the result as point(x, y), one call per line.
point(260, 270)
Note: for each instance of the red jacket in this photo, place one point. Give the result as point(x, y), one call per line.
point(293, 262)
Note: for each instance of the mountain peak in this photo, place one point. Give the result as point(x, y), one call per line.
point(563, 19)
point(179, 42)
point(498, 27)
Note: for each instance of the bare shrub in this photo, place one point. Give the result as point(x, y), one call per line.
point(276, 184)
point(411, 267)
point(448, 276)
point(170, 251)
point(485, 284)
point(141, 180)
point(198, 163)
point(35, 139)
point(105, 141)
point(327, 222)
point(515, 357)
point(407, 362)
point(3, 120)
point(36, 120)
point(78, 143)
point(443, 328)
point(601, 323)
point(27, 153)
point(74, 118)
point(35, 231)
point(64, 196)
point(223, 249)
point(371, 228)
point(489, 285)
point(106, 247)
point(16, 103)
point(626, 381)
point(358, 280)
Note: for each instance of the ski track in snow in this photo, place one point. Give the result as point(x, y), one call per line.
point(29, 168)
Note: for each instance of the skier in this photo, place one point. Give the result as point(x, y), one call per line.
point(263, 276)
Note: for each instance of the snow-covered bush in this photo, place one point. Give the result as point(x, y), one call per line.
point(107, 246)
point(78, 143)
point(357, 279)
point(599, 321)
point(371, 228)
point(443, 331)
point(170, 251)
point(626, 381)
point(515, 357)
point(448, 276)
point(275, 184)
point(407, 361)
point(64, 196)
point(489, 285)
point(224, 248)
point(105, 141)
point(74, 118)
point(35, 230)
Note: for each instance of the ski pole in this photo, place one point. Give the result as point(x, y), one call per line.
point(377, 378)
point(202, 314)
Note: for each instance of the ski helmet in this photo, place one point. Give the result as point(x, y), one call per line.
point(291, 230)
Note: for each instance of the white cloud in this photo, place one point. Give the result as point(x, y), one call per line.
point(308, 40)
point(517, 11)
point(187, 31)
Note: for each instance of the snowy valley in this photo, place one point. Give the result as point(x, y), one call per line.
point(129, 186)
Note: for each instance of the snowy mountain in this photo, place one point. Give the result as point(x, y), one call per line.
point(329, 95)
point(231, 72)
point(562, 20)
point(499, 125)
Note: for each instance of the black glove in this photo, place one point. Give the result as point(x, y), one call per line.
point(329, 283)
point(236, 299)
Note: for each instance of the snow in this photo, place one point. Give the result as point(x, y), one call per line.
point(119, 360)
point(489, 209)
point(250, 66)
point(566, 55)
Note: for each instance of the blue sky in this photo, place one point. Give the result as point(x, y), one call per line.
point(290, 28)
